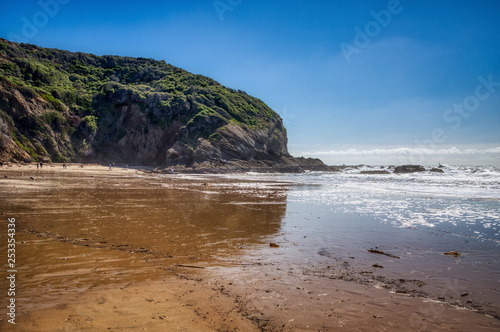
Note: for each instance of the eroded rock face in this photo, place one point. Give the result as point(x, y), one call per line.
point(241, 142)
point(127, 135)
point(28, 128)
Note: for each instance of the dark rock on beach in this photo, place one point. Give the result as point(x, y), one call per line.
point(285, 164)
point(409, 169)
point(436, 170)
point(374, 172)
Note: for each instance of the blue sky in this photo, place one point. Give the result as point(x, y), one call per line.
point(378, 82)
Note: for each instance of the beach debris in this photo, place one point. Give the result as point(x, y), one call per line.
point(142, 251)
point(378, 265)
point(190, 266)
point(464, 294)
point(373, 251)
point(274, 245)
point(452, 253)
point(250, 264)
point(32, 178)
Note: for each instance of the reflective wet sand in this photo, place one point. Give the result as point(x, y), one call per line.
point(126, 250)
point(86, 231)
point(166, 217)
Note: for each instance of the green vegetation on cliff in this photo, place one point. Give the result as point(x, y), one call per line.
point(62, 106)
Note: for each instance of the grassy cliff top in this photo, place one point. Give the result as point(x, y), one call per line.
point(75, 79)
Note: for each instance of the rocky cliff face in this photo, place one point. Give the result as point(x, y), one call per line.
point(142, 132)
point(61, 106)
point(29, 128)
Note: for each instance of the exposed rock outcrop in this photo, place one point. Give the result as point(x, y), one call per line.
point(409, 169)
point(285, 164)
point(375, 172)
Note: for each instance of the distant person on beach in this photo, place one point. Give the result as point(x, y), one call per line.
point(37, 165)
point(41, 165)
point(110, 167)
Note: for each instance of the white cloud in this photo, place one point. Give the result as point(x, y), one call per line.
point(493, 150)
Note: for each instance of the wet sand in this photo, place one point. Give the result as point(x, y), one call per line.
point(104, 250)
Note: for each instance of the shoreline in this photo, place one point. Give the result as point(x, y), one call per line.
point(205, 284)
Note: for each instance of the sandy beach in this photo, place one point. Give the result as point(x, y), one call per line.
point(123, 249)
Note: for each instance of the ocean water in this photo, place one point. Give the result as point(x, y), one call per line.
point(464, 201)
point(333, 219)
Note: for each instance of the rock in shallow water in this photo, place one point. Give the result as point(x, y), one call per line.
point(409, 169)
